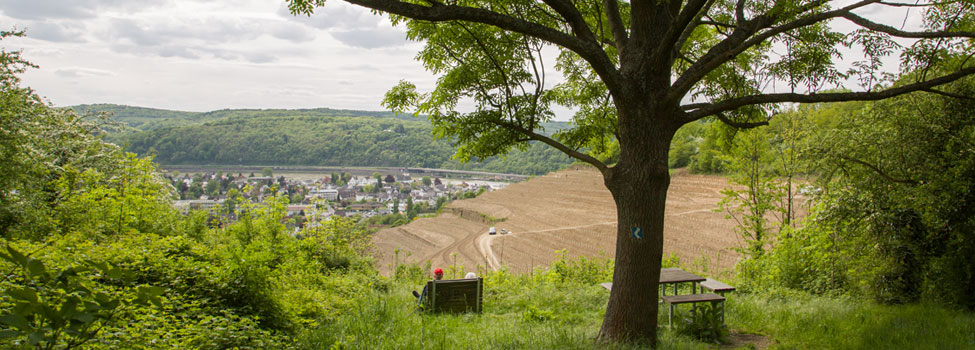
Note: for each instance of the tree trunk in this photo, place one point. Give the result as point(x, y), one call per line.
point(639, 186)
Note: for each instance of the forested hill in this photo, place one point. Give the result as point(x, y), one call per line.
point(313, 137)
point(142, 118)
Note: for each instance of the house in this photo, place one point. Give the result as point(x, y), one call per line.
point(297, 209)
point(330, 194)
point(185, 206)
point(346, 193)
point(369, 206)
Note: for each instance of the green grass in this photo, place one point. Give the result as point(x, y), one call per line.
point(545, 312)
point(527, 315)
point(798, 321)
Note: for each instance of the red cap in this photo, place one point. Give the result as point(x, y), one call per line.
point(438, 271)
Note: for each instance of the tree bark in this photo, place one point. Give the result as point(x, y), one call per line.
point(639, 185)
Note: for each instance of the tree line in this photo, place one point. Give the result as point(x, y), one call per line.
point(307, 137)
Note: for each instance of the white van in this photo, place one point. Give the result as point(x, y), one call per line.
point(492, 231)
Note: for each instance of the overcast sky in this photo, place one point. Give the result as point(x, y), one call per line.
point(202, 55)
point(205, 55)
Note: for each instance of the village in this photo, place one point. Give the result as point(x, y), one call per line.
point(317, 199)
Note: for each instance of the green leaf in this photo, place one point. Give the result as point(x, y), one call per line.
point(112, 304)
point(102, 298)
point(36, 338)
point(115, 273)
point(47, 311)
point(85, 317)
point(36, 267)
point(8, 333)
point(151, 290)
point(16, 321)
point(69, 307)
point(25, 294)
point(16, 257)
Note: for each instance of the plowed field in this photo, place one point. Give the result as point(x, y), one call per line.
point(570, 210)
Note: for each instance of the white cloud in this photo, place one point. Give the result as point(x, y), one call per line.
point(72, 9)
point(335, 15)
point(371, 38)
point(61, 32)
point(351, 25)
point(76, 72)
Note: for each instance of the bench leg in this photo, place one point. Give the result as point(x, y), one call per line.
point(722, 311)
point(670, 316)
point(722, 308)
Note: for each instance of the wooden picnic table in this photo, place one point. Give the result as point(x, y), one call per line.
point(671, 275)
point(676, 276)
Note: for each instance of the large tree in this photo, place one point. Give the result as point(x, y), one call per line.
point(636, 71)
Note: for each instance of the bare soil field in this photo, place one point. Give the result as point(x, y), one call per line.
point(568, 210)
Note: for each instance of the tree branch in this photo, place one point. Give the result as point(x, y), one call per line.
point(742, 39)
point(557, 145)
point(928, 4)
point(875, 168)
point(682, 27)
point(578, 24)
point(740, 125)
point(497, 66)
point(616, 24)
point(949, 94)
point(883, 28)
point(679, 44)
point(740, 11)
point(589, 49)
point(699, 110)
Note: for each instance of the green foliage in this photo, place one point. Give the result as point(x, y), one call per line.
point(705, 322)
point(757, 193)
point(710, 154)
point(113, 265)
point(286, 137)
point(800, 321)
point(891, 216)
point(39, 147)
point(685, 145)
point(583, 270)
point(53, 308)
point(900, 179)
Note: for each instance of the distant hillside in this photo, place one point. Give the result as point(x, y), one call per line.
point(142, 118)
point(313, 137)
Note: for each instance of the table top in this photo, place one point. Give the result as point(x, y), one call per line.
point(676, 275)
point(669, 275)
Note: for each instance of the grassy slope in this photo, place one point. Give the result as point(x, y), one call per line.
point(524, 315)
point(543, 313)
point(804, 322)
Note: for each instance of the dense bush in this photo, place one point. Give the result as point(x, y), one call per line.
point(93, 253)
point(893, 217)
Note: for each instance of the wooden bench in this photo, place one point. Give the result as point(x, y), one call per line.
point(691, 299)
point(454, 296)
point(717, 286)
